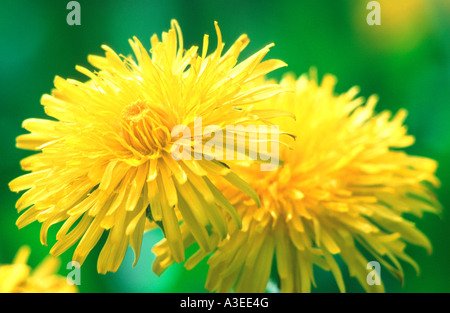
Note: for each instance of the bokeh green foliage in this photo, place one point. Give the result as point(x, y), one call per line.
point(405, 60)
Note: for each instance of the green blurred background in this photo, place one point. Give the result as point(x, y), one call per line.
point(405, 60)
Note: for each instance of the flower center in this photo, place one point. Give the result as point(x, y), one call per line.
point(146, 128)
point(134, 112)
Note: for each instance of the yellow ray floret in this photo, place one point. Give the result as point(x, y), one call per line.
point(343, 192)
point(105, 163)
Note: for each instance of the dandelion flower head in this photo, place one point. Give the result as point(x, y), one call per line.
point(18, 277)
point(342, 194)
point(104, 163)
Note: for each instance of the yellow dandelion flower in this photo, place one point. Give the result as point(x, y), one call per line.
point(343, 191)
point(106, 165)
point(20, 278)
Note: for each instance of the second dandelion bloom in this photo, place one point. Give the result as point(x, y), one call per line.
point(343, 192)
point(104, 163)
point(18, 277)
